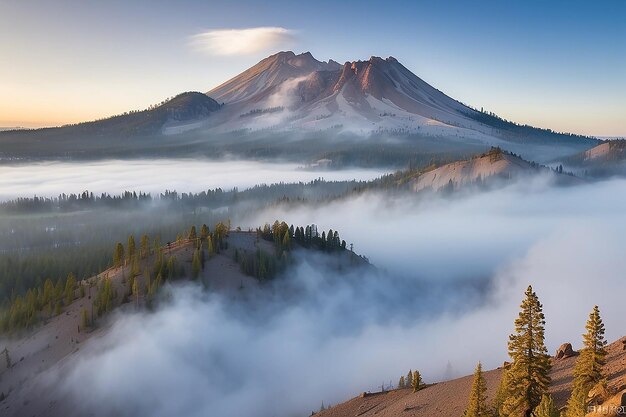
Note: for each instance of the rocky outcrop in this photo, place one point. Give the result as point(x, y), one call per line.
point(565, 351)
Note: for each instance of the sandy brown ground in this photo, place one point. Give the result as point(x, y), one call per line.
point(37, 353)
point(449, 399)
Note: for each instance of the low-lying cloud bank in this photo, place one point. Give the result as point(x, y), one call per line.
point(49, 179)
point(453, 274)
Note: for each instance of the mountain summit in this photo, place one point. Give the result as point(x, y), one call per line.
point(258, 82)
point(360, 96)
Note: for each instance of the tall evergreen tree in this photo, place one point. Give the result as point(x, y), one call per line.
point(588, 369)
point(409, 379)
point(528, 374)
point(401, 383)
point(416, 382)
point(477, 405)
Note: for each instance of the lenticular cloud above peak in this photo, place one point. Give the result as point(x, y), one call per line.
point(241, 41)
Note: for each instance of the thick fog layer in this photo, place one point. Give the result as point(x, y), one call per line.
point(453, 272)
point(49, 179)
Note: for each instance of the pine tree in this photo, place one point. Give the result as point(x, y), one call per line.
point(416, 382)
point(546, 407)
point(477, 405)
point(192, 233)
point(528, 375)
point(588, 369)
point(409, 379)
point(401, 383)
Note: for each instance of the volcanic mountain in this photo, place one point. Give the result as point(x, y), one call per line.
point(297, 92)
point(287, 90)
point(287, 98)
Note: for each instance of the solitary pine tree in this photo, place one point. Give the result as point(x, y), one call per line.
point(546, 407)
point(477, 405)
point(416, 382)
point(588, 369)
point(409, 379)
point(192, 233)
point(528, 375)
point(401, 383)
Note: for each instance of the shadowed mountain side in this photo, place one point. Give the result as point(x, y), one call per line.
point(181, 113)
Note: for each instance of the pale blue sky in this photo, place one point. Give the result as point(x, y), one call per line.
point(557, 64)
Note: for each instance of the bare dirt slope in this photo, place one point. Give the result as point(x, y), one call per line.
point(449, 399)
point(491, 164)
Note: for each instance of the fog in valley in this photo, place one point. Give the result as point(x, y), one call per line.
point(49, 179)
point(449, 274)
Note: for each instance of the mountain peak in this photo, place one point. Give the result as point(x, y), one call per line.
point(260, 81)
